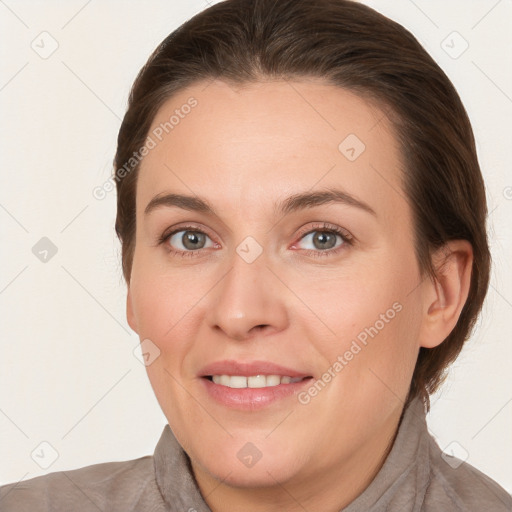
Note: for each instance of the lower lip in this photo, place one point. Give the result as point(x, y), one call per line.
point(250, 399)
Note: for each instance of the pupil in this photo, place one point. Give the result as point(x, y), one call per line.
point(322, 237)
point(190, 239)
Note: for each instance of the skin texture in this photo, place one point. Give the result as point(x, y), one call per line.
point(243, 149)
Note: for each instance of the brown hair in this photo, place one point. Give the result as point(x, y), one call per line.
point(352, 46)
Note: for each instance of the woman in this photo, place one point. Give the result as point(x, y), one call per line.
point(302, 218)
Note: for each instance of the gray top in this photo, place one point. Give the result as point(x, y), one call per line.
point(416, 476)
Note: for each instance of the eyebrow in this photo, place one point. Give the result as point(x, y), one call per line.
point(296, 202)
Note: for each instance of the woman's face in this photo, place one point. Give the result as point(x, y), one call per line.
point(267, 279)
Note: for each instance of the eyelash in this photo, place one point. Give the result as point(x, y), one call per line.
point(321, 227)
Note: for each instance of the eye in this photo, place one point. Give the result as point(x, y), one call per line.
point(186, 241)
point(189, 240)
point(324, 238)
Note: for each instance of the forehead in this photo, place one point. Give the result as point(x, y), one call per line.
point(255, 143)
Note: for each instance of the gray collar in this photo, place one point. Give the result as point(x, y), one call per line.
point(405, 472)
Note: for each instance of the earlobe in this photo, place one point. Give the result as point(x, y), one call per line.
point(129, 311)
point(447, 293)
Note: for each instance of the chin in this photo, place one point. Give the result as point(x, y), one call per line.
point(267, 473)
point(239, 463)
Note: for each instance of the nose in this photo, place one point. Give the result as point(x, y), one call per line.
point(249, 300)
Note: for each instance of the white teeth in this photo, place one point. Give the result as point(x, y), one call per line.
point(270, 380)
point(259, 381)
point(237, 382)
point(256, 381)
point(223, 379)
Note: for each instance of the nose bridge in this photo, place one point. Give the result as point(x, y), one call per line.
point(249, 295)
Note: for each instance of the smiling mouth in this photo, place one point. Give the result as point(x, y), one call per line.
point(254, 381)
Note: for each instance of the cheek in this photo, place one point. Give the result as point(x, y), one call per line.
point(374, 323)
point(164, 305)
point(169, 308)
point(164, 301)
point(350, 302)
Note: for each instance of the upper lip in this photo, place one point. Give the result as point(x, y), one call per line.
point(248, 368)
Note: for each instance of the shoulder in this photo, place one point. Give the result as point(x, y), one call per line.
point(104, 486)
point(457, 485)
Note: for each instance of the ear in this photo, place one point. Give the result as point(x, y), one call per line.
point(129, 311)
point(446, 294)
